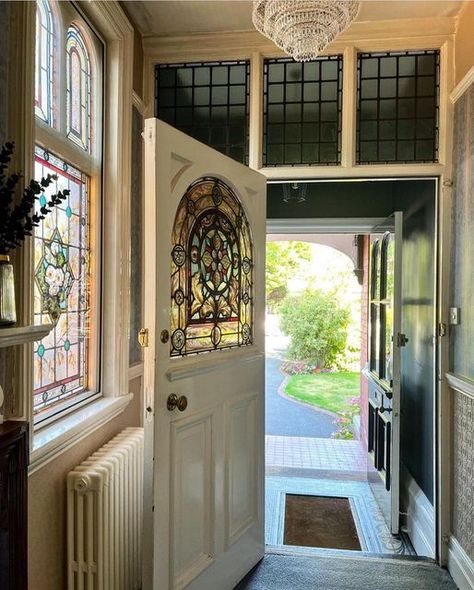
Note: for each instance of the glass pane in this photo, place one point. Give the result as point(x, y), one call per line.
point(78, 90)
point(399, 92)
point(297, 93)
point(197, 96)
point(44, 65)
point(389, 255)
point(211, 271)
point(62, 258)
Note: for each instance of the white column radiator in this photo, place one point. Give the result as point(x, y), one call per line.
point(105, 508)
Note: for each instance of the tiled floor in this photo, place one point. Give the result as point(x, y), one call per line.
point(372, 530)
point(320, 454)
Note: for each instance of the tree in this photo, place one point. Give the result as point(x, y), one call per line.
point(317, 326)
point(284, 261)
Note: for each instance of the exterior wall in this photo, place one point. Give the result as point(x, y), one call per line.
point(462, 363)
point(464, 41)
point(47, 546)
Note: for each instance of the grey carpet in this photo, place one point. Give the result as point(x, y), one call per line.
point(291, 572)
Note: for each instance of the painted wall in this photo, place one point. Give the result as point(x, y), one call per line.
point(462, 336)
point(417, 403)
point(464, 41)
point(47, 544)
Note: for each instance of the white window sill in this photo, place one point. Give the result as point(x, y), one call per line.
point(53, 440)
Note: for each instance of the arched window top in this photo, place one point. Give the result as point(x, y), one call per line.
point(78, 89)
point(211, 271)
point(44, 67)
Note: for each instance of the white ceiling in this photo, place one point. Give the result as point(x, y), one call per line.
point(166, 17)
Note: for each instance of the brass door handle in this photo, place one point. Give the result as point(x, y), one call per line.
point(174, 401)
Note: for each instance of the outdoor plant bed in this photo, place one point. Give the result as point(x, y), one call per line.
point(334, 392)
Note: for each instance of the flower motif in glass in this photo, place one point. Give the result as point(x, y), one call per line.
point(44, 64)
point(78, 90)
point(211, 271)
point(61, 287)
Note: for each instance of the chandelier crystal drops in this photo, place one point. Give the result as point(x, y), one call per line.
point(303, 28)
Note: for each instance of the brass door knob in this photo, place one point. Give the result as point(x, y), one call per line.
point(174, 401)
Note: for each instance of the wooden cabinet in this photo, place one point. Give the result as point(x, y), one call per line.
point(13, 505)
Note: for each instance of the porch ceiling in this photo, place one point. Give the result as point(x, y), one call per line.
point(165, 17)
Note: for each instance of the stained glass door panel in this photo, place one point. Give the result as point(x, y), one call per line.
point(211, 271)
point(61, 287)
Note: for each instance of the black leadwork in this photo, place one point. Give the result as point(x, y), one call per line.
point(211, 271)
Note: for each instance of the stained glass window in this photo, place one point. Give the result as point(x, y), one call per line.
point(44, 62)
point(61, 286)
point(78, 89)
point(211, 271)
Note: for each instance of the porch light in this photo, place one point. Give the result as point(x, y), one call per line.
point(303, 28)
point(294, 192)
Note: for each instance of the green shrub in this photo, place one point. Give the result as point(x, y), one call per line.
point(317, 326)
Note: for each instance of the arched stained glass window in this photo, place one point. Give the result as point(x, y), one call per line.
point(44, 62)
point(78, 89)
point(211, 271)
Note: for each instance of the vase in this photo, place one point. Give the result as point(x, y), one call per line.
point(7, 292)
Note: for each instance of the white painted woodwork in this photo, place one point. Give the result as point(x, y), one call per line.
point(204, 513)
point(23, 334)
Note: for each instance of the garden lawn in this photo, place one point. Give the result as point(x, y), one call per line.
point(330, 391)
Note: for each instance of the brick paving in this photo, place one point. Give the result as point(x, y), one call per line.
point(293, 452)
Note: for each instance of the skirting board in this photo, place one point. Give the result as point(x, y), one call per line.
point(420, 520)
point(460, 565)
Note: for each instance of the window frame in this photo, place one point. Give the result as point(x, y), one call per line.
point(57, 141)
point(110, 22)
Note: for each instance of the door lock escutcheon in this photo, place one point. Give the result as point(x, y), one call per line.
point(174, 402)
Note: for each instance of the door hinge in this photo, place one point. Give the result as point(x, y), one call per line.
point(401, 340)
point(441, 329)
point(143, 337)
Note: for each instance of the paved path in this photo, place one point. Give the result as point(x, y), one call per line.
point(287, 418)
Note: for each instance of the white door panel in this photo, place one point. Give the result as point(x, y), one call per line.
point(205, 512)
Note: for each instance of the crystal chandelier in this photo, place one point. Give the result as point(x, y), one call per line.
point(303, 28)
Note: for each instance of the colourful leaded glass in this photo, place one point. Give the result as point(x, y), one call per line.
point(61, 287)
point(211, 271)
point(44, 62)
point(78, 89)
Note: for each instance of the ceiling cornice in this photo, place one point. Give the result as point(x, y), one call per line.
point(394, 34)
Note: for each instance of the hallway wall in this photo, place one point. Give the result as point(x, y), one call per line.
point(462, 336)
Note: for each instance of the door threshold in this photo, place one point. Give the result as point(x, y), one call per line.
point(340, 553)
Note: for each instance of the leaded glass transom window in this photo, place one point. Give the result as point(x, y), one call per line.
point(302, 112)
point(397, 107)
point(211, 271)
point(61, 286)
point(44, 56)
point(208, 101)
point(78, 83)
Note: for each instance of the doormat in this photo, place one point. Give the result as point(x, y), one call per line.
point(320, 521)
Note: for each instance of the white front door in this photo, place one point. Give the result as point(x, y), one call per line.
point(204, 366)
